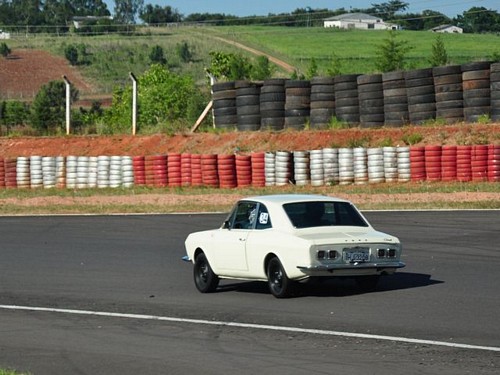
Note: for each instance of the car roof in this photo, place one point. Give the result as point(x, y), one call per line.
point(280, 199)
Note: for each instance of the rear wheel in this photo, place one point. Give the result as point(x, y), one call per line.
point(205, 279)
point(279, 284)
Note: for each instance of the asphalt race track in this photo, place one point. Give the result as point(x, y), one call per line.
point(110, 295)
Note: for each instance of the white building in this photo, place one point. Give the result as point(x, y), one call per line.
point(4, 35)
point(358, 21)
point(447, 29)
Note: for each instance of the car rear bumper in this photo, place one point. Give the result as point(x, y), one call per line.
point(352, 268)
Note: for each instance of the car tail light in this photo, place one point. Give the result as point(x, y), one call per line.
point(391, 253)
point(333, 254)
point(321, 254)
point(381, 253)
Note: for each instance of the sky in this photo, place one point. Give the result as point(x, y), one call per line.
point(451, 8)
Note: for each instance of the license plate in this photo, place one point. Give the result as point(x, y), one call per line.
point(357, 256)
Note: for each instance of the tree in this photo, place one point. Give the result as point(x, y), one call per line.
point(126, 10)
point(312, 70)
point(4, 50)
point(439, 55)
point(335, 68)
point(156, 56)
point(154, 15)
point(262, 69)
point(389, 9)
point(479, 20)
point(391, 53)
point(184, 52)
point(48, 107)
point(229, 66)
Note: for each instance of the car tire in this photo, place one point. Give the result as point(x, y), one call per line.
point(280, 285)
point(367, 283)
point(205, 279)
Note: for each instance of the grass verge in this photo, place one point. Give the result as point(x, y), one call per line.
point(414, 196)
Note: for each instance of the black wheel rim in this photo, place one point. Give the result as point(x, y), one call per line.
point(276, 278)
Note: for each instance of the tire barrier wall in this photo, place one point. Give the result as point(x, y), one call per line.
point(322, 167)
point(452, 93)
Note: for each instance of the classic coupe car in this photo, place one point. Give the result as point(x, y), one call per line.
point(283, 239)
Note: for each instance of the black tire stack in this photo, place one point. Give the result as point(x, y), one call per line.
point(346, 98)
point(477, 94)
point(272, 104)
point(297, 103)
point(371, 100)
point(421, 96)
point(248, 105)
point(224, 105)
point(449, 93)
point(495, 91)
point(322, 102)
point(395, 99)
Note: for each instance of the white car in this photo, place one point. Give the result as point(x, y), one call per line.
point(283, 239)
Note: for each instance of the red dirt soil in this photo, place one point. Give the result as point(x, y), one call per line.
point(24, 72)
point(243, 142)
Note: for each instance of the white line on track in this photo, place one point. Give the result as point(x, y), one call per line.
point(252, 326)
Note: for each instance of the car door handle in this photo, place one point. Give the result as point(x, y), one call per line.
point(242, 239)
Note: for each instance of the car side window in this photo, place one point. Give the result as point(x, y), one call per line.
point(245, 216)
point(263, 218)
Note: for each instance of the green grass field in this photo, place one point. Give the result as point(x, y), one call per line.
point(112, 57)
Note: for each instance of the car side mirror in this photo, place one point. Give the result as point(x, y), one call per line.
point(226, 225)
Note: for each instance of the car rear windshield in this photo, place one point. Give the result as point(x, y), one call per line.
point(317, 214)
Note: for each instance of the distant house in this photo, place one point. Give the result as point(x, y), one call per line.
point(358, 21)
point(447, 29)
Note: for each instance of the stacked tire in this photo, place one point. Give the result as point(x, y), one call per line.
point(331, 165)
point(395, 99)
point(495, 91)
point(2, 174)
point(449, 163)
point(375, 161)
point(301, 168)
point(224, 105)
point(272, 105)
point(243, 170)
point(209, 173)
point(346, 166)
point(404, 171)
point(371, 100)
point(156, 170)
point(449, 93)
point(391, 172)
point(196, 170)
point(322, 102)
point(284, 168)
point(433, 163)
point(186, 169)
point(479, 163)
point(346, 98)
point(139, 164)
point(316, 167)
point(494, 163)
point(226, 170)
point(297, 103)
point(258, 169)
point(49, 169)
point(10, 173)
point(174, 170)
point(464, 167)
point(417, 163)
point(23, 172)
point(36, 173)
point(477, 94)
point(103, 163)
point(248, 105)
point(421, 95)
point(270, 168)
point(360, 165)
